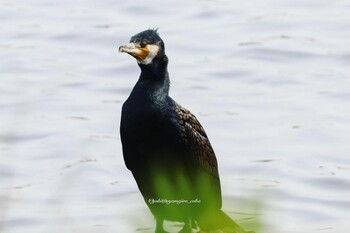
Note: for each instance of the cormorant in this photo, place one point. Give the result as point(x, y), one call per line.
point(166, 148)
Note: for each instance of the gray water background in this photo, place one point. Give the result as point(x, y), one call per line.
point(269, 81)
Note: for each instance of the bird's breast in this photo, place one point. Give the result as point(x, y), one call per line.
point(148, 133)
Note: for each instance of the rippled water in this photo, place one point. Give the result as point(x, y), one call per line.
point(267, 79)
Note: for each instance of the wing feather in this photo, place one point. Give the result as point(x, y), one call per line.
point(195, 138)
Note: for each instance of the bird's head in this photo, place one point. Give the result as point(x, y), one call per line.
point(145, 46)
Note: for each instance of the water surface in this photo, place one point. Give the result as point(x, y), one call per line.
point(267, 79)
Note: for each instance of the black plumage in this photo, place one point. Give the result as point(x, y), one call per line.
point(166, 148)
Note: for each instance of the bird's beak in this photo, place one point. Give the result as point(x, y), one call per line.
point(134, 50)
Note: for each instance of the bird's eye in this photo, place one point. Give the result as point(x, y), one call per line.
point(143, 44)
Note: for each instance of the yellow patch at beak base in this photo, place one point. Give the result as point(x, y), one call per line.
point(143, 55)
point(135, 50)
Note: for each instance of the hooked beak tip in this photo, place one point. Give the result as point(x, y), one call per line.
point(120, 49)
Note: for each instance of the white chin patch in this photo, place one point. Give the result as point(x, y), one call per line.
point(152, 53)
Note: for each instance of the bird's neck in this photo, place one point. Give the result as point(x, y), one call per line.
point(154, 79)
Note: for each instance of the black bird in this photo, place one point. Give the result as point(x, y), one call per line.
point(166, 148)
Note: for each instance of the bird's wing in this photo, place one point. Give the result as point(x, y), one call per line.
point(197, 142)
